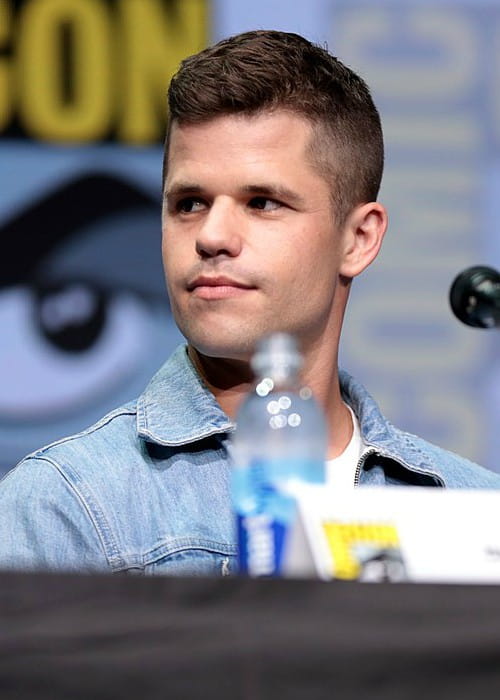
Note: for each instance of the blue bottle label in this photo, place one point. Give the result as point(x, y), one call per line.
point(264, 515)
point(261, 541)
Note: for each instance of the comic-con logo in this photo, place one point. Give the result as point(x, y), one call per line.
point(92, 70)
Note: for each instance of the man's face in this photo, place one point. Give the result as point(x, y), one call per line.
point(249, 240)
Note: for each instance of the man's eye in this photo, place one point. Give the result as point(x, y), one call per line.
point(264, 204)
point(189, 205)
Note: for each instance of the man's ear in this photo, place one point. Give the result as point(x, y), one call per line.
point(362, 237)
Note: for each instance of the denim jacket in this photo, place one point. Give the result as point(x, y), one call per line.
point(146, 489)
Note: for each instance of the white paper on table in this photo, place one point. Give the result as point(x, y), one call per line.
point(421, 533)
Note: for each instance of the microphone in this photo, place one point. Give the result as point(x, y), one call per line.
point(475, 297)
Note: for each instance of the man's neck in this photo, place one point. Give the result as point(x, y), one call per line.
point(322, 377)
point(228, 380)
point(231, 380)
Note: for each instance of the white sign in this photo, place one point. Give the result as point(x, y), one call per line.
point(396, 534)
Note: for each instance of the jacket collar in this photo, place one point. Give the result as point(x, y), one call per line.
point(375, 428)
point(385, 439)
point(177, 408)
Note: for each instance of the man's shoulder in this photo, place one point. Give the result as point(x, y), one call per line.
point(454, 470)
point(119, 431)
point(411, 452)
point(174, 409)
point(99, 443)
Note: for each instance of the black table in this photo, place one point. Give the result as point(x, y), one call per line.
point(93, 637)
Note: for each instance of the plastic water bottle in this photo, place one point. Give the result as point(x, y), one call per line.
point(280, 441)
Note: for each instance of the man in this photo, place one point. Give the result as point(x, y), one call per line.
point(272, 167)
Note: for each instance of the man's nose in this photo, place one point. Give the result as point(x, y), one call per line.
point(220, 232)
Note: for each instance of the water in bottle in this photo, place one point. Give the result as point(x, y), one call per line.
point(280, 441)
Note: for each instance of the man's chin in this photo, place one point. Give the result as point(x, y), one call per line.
point(236, 340)
point(223, 351)
point(222, 346)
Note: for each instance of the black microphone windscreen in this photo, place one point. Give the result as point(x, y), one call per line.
point(475, 297)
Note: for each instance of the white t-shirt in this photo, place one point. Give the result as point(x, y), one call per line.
point(341, 471)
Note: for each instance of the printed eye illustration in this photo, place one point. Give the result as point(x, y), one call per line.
point(82, 295)
point(64, 350)
point(71, 315)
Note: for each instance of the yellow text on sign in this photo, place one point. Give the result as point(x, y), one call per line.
point(80, 70)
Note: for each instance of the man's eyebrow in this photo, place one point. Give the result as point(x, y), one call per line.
point(274, 191)
point(182, 188)
point(271, 190)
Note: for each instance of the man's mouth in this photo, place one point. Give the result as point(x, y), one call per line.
point(217, 287)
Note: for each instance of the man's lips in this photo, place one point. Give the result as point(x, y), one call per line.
point(219, 287)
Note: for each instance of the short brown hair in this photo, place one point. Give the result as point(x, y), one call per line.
point(267, 70)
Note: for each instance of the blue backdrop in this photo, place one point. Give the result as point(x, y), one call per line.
point(83, 313)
